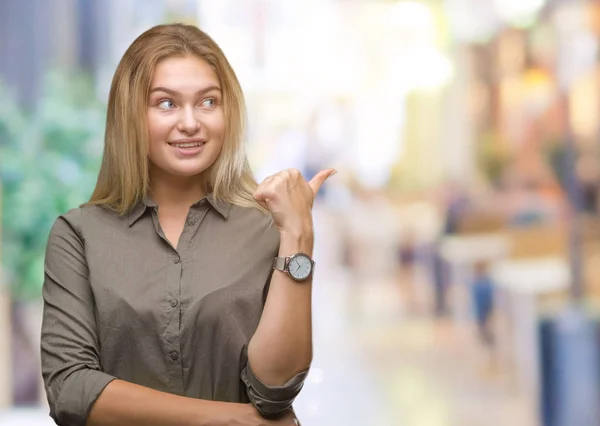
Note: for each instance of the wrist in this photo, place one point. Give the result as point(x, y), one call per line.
point(292, 242)
point(227, 414)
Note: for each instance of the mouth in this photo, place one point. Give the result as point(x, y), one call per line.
point(187, 143)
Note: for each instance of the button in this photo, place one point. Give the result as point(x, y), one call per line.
point(176, 259)
point(191, 222)
point(174, 356)
point(174, 303)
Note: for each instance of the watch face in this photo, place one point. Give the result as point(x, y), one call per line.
point(300, 266)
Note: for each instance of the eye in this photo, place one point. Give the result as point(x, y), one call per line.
point(166, 104)
point(209, 103)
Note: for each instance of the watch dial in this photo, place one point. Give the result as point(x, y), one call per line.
point(300, 267)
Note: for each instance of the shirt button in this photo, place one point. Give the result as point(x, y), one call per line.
point(174, 303)
point(176, 259)
point(174, 356)
point(191, 222)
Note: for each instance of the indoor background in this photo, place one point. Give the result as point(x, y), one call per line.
point(457, 248)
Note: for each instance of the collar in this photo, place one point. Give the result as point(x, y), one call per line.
point(140, 208)
point(221, 206)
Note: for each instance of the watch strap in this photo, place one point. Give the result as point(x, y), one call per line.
point(280, 263)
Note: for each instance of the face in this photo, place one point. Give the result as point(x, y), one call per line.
point(186, 123)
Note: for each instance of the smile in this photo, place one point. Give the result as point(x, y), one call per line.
point(186, 145)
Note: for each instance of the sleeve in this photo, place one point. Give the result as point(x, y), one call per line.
point(69, 344)
point(271, 400)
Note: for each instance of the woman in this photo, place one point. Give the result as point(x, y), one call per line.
point(163, 304)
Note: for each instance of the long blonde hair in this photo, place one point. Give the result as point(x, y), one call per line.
point(123, 180)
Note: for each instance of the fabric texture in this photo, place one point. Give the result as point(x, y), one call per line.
point(121, 302)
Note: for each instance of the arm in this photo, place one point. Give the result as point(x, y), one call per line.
point(280, 352)
point(78, 391)
point(123, 403)
point(282, 344)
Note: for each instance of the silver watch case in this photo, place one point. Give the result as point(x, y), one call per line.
point(282, 263)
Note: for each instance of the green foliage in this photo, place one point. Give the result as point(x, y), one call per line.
point(49, 159)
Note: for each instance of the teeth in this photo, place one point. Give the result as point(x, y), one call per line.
point(187, 145)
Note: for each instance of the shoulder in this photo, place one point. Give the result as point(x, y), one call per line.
point(254, 224)
point(67, 223)
point(81, 219)
point(65, 236)
point(250, 215)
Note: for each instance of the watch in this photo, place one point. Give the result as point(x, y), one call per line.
point(299, 266)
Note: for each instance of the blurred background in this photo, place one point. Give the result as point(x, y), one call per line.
point(458, 245)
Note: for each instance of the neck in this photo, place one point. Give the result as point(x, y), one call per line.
point(170, 191)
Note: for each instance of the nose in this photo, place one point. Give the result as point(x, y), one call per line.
point(188, 122)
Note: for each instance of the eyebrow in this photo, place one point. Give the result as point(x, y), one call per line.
point(176, 93)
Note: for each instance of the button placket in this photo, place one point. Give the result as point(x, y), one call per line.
point(171, 302)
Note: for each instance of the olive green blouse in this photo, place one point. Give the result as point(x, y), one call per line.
point(121, 302)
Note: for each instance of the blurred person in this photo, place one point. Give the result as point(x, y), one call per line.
point(588, 175)
point(455, 203)
point(407, 260)
point(407, 250)
point(482, 297)
point(441, 277)
point(180, 294)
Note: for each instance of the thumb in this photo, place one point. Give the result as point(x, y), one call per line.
point(317, 181)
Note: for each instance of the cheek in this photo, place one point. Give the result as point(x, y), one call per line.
point(152, 128)
point(158, 127)
point(216, 124)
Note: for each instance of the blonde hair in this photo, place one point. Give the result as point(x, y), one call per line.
point(123, 180)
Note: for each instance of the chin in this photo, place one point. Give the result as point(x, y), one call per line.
point(183, 168)
point(188, 172)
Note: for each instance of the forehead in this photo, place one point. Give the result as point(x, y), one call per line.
point(181, 73)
